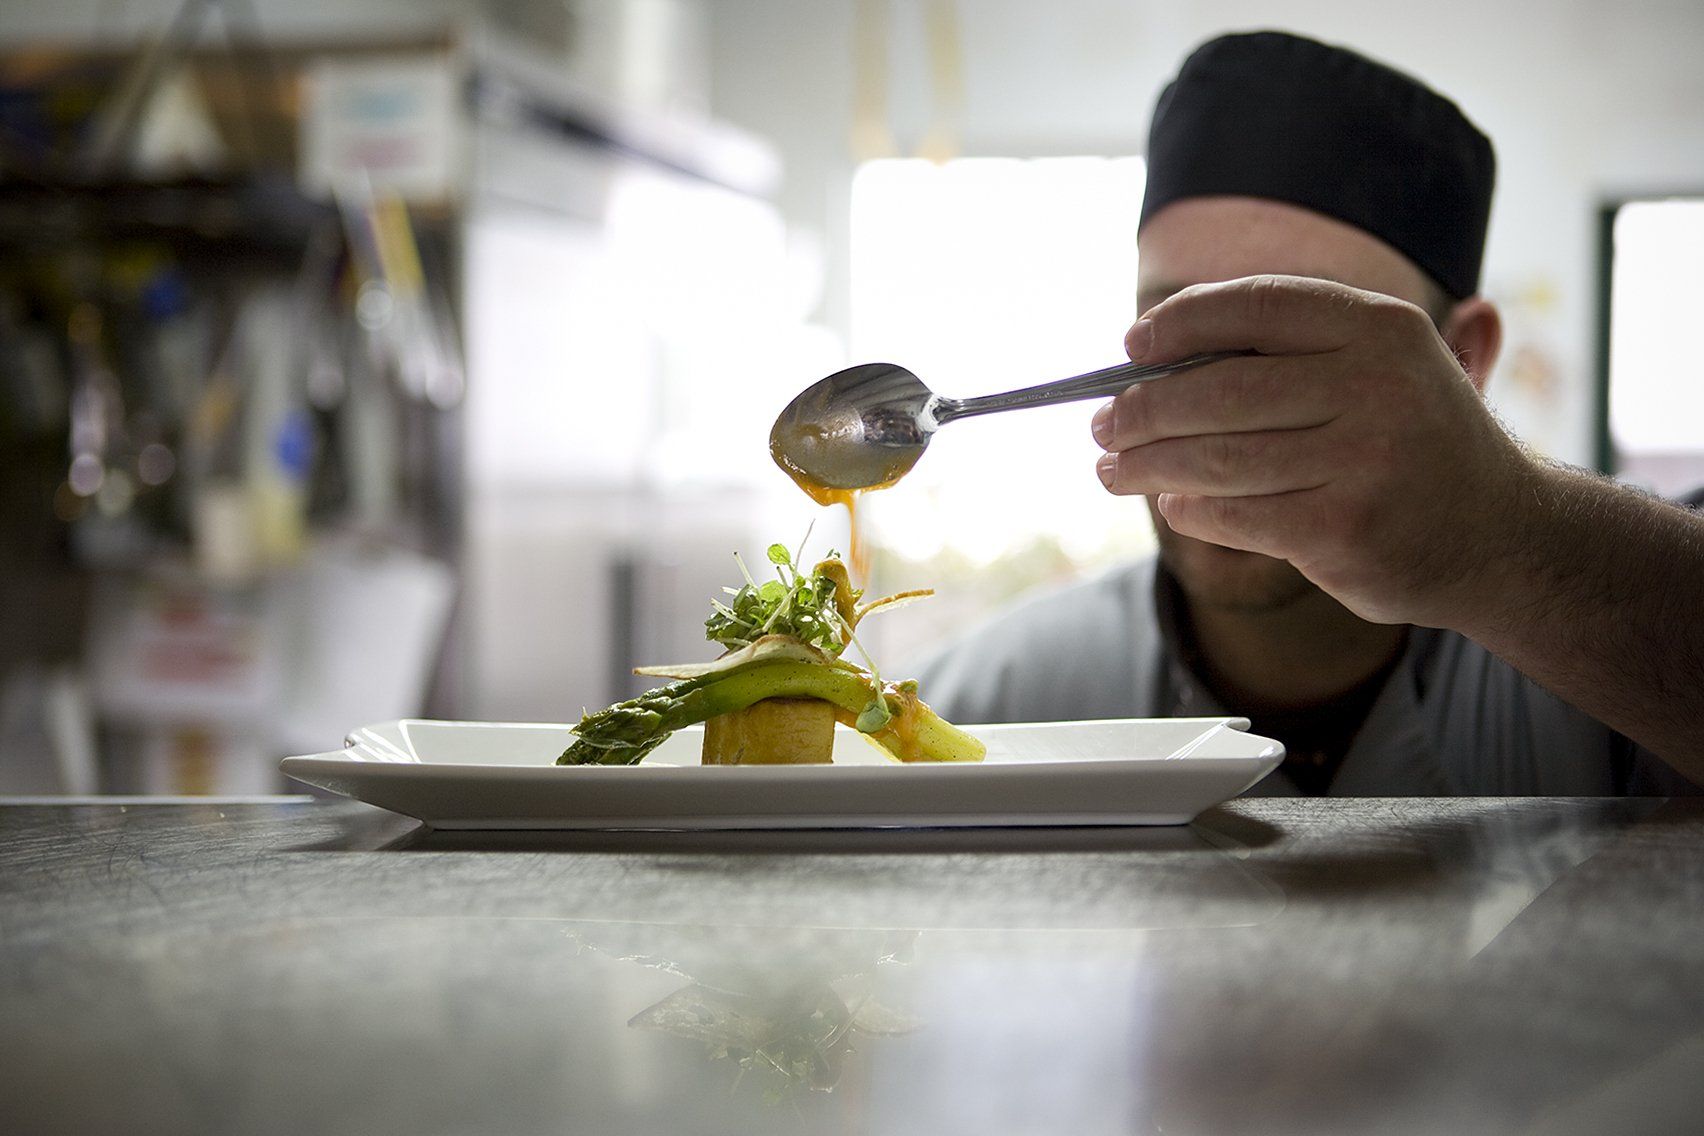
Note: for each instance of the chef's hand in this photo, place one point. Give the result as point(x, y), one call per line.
point(1352, 445)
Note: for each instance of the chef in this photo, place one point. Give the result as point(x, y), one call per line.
point(1353, 552)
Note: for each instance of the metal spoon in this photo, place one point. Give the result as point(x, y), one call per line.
point(866, 426)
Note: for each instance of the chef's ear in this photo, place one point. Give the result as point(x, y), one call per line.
point(1474, 331)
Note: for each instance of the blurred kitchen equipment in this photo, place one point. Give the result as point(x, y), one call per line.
point(866, 426)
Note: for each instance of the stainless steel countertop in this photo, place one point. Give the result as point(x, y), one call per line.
point(1316, 966)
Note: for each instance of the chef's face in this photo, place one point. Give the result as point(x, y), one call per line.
point(1202, 240)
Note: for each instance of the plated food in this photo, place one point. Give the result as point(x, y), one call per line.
point(783, 684)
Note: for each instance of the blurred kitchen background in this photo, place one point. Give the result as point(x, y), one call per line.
point(376, 358)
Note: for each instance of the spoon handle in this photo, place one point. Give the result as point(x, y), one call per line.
point(1095, 384)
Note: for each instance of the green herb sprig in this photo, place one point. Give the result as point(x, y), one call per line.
point(795, 603)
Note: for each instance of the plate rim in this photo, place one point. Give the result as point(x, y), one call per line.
point(1271, 749)
point(383, 769)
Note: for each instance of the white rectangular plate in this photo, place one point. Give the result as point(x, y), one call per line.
point(459, 775)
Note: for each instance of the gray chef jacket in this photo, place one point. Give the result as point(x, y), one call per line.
point(1452, 719)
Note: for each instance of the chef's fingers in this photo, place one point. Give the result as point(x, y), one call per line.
point(1230, 465)
point(1274, 315)
point(1234, 395)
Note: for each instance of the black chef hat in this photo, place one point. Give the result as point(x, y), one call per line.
point(1272, 115)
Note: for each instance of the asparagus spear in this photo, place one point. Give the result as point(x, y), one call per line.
point(627, 731)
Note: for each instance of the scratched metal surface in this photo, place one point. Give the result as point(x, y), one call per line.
point(1328, 966)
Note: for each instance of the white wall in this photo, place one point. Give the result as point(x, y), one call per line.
point(1583, 100)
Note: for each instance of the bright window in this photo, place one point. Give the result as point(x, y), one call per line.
point(983, 275)
point(1656, 382)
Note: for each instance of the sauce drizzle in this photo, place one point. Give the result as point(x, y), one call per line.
point(858, 556)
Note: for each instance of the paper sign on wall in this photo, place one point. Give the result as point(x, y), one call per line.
point(392, 122)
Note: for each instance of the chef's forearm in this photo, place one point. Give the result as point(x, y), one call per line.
point(1600, 599)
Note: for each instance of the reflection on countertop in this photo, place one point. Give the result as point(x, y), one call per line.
point(1464, 966)
point(790, 1005)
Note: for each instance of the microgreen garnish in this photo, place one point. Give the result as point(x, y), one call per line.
point(800, 604)
point(807, 606)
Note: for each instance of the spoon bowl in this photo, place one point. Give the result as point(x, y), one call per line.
point(859, 428)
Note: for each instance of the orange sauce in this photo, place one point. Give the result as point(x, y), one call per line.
point(899, 736)
point(903, 730)
point(858, 551)
point(857, 556)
